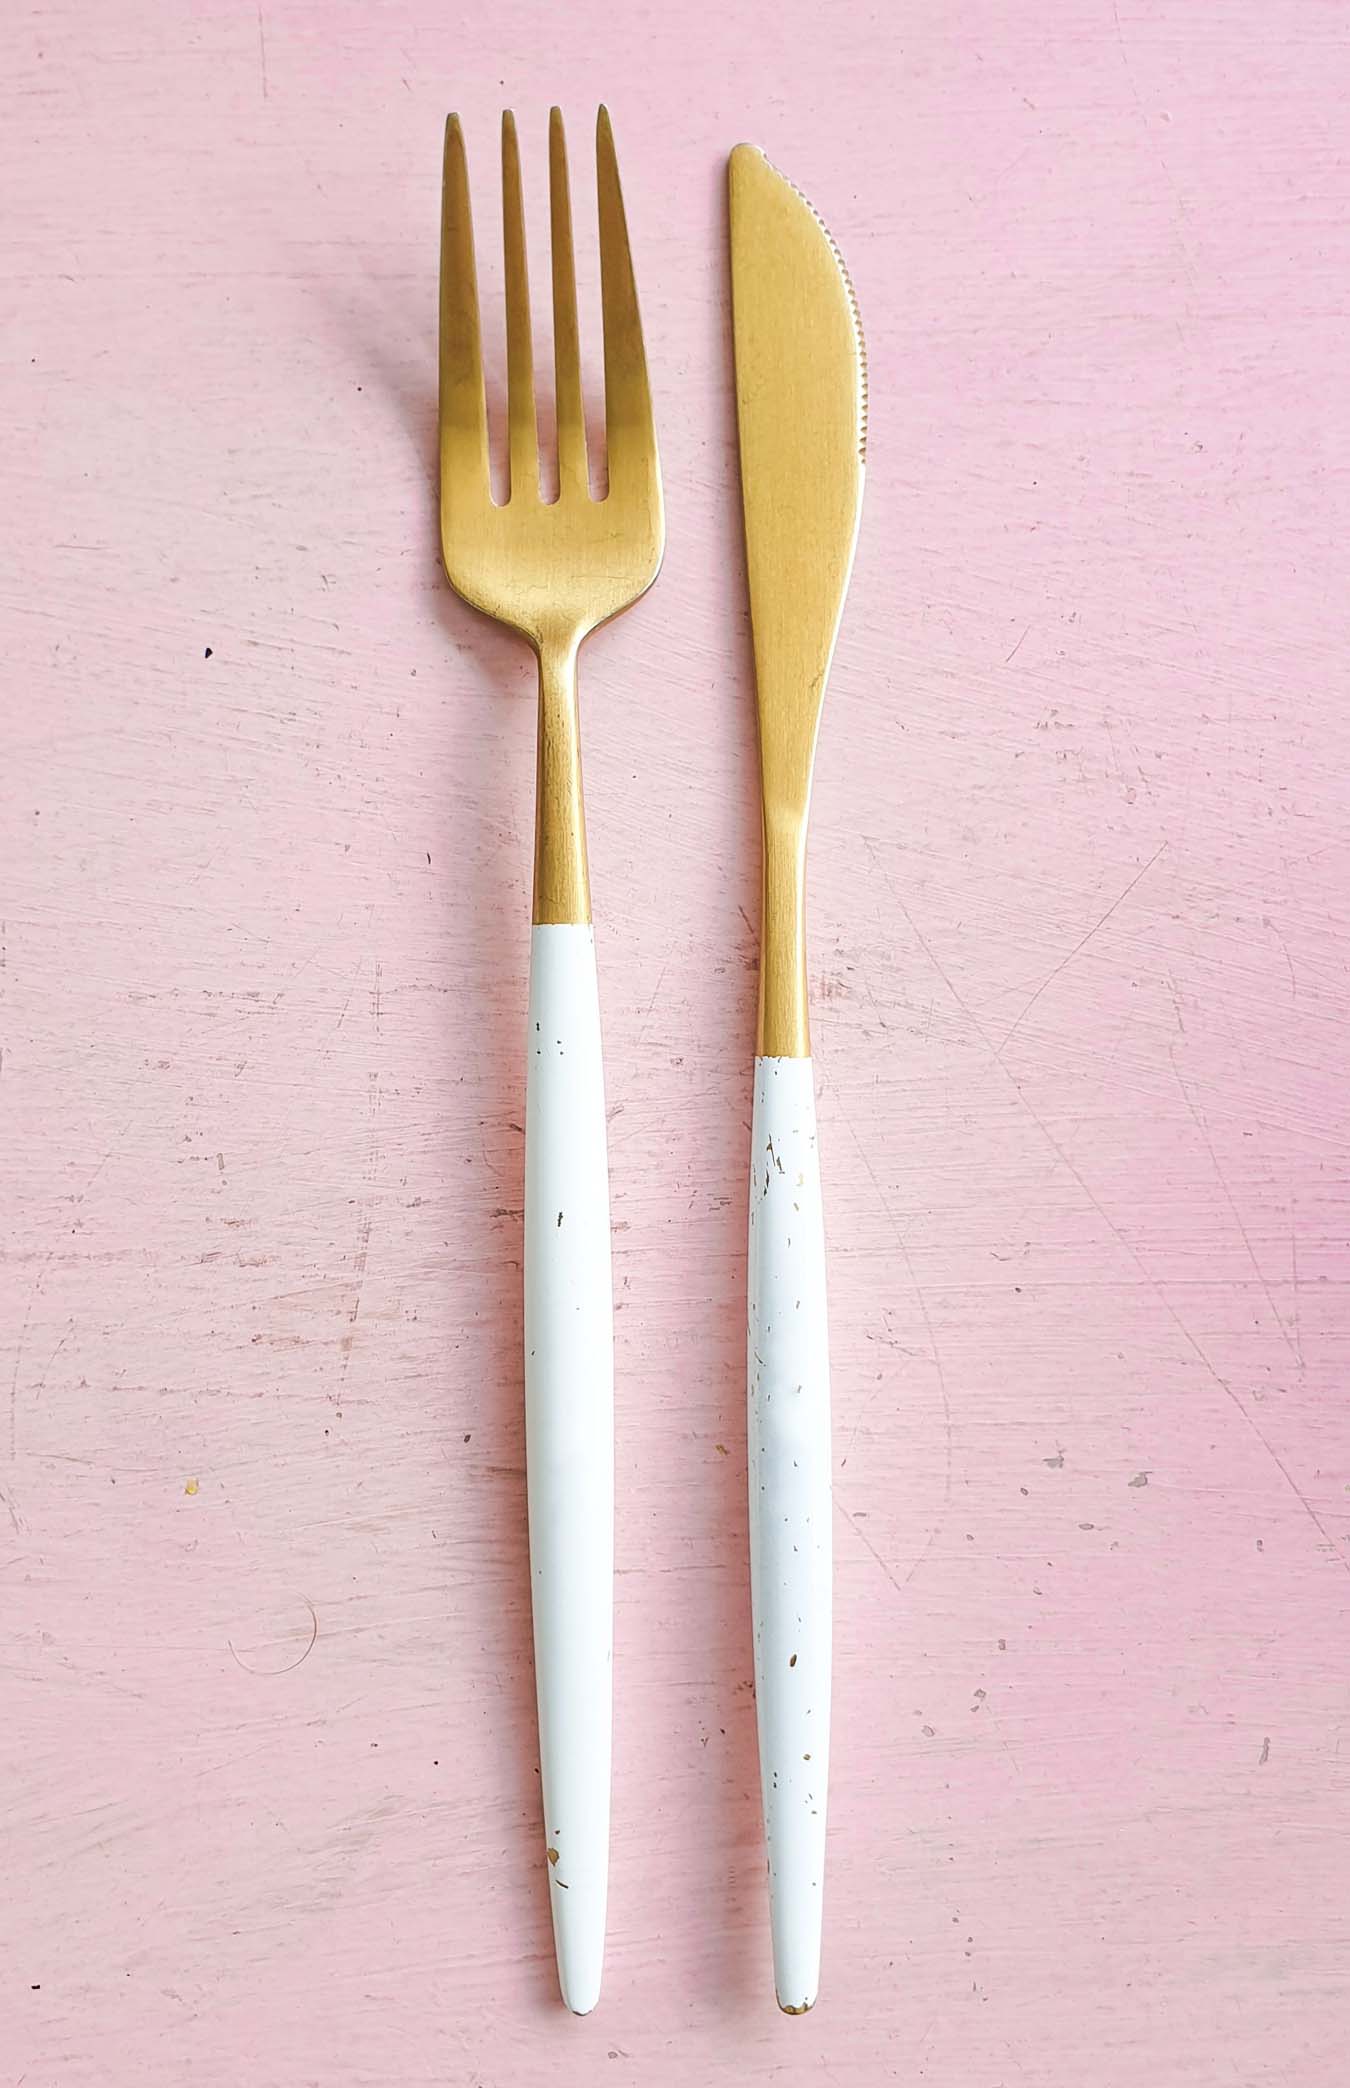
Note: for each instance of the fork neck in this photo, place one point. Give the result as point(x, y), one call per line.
point(562, 885)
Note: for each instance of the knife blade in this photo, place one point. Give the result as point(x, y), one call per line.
point(801, 407)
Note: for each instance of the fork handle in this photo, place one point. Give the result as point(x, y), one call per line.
point(790, 1507)
point(569, 1439)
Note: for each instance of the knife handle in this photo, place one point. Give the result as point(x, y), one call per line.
point(790, 1510)
point(569, 1439)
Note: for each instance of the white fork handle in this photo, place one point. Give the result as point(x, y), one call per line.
point(790, 1534)
point(569, 1440)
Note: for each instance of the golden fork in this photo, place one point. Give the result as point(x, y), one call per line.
point(553, 571)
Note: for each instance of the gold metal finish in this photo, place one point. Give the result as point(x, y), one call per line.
point(801, 406)
point(552, 570)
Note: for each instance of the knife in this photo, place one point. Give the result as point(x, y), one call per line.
point(801, 407)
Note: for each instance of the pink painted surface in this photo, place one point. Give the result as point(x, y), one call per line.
point(1079, 963)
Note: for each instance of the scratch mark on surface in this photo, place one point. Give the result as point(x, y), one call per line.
point(868, 1545)
point(1080, 945)
point(1150, 1279)
point(291, 1665)
point(863, 1413)
point(1003, 1740)
point(262, 52)
point(362, 1256)
point(18, 1364)
point(1104, 1082)
point(1289, 962)
point(16, 1521)
point(1188, 1337)
point(366, 1220)
point(373, 1136)
point(1203, 1128)
point(40, 1279)
point(903, 1245)
point(1016, 649)
point(41, 1384)
point(660, 982)
point(1148, 132)
point(361, 965)
point(1293, 1268)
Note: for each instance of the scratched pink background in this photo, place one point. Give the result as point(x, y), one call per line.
point(1079, 963)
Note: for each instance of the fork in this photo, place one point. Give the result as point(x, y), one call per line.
point(553, 571)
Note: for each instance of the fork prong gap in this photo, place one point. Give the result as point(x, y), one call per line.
point(521, 418)
point(570, 409)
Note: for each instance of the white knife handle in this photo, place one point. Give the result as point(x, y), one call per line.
point(790, 1534)
point(569, 1440)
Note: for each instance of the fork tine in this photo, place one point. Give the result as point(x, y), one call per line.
point(463, 413)
point(629, 434)
point(521, 419)
point(571, 415)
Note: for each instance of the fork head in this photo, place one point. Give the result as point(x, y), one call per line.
point(552, 570)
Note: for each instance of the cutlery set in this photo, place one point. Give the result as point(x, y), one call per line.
point(553, 571)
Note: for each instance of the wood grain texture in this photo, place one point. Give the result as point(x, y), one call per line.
point(1079, 945)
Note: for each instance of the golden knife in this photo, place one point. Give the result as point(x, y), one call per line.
point(801, 404)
